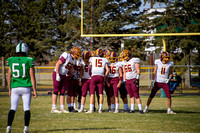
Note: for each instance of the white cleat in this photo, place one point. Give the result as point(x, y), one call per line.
point(89, 112)
point(8, 130)
point(81, 110)
point(100, 111)
point(26, 131)
point(171, 112)
point(55, 111)
point(64, 111)
point(145, 110)
point(116, 111)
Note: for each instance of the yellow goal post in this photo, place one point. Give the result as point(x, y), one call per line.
point(128, 35)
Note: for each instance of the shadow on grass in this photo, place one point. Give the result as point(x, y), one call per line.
point(177, 111)
point(71, 129)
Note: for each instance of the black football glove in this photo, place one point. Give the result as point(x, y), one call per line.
point(124, 82)
point(136, 82)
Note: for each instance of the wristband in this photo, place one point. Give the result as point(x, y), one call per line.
point(138, 76)
point(79, 79)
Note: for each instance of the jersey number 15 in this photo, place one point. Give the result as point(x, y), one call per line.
point(98, 63)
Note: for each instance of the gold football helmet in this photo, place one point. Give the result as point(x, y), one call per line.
point(112, 57)
point(107, 54)
point(86, 56)
point(165, 56)
point(76, 52)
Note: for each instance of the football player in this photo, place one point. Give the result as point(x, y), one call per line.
point(21, 77)
point(85, 78)
point(60, 80)
point(108, 90)
point(131, 76)
point(162, 73)
point(122, 89)
point(79, 88)
point(114, 78)
point(93, 54)
point(97, 67)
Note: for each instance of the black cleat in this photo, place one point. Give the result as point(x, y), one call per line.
point(141, 111)
point(126, 111)
point(131, 111)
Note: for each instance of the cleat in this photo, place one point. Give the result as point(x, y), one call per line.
point(26, 131)
point(171, 112)
point(126, 110)
point(100, 111)
point(8, 130)
point(76, 109)
point(141, 111)
point(145, 111)
point(116, 111)
point(132, 111)
point(64, 111)
point(55, 111)
point(112, 110)
point(89, 112)
point(81, 110)
point(72, 110)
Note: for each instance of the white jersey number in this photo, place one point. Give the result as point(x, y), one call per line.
point(17, 72)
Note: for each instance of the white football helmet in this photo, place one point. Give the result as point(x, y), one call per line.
point(22, 48)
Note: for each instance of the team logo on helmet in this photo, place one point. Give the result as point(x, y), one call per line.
point(165, 56)
point(86, 56)
point(22, 48)
point(76, 52)
point(99, 52)
point(113, 57)
point(107, 54)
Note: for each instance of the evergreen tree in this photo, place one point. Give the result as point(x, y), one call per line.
point(111, 17)
point(179, 17)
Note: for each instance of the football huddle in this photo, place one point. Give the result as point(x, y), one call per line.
point(93, 72)
point(78, 74)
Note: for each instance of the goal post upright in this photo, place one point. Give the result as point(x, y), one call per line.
point(128, 35)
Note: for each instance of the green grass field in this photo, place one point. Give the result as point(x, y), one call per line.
point(187, 118)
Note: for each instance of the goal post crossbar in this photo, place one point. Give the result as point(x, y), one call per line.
point(128, 35)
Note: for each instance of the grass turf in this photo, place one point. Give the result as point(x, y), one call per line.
point(187, 118)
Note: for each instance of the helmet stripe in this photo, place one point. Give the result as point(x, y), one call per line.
point(20, 47)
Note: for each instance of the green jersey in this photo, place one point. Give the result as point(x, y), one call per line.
point(20, 67)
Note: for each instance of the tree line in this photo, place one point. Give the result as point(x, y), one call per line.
point(50, 27)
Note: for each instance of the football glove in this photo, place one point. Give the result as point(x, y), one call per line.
point(136, 82)
point(57, 77)
point(124, 82)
